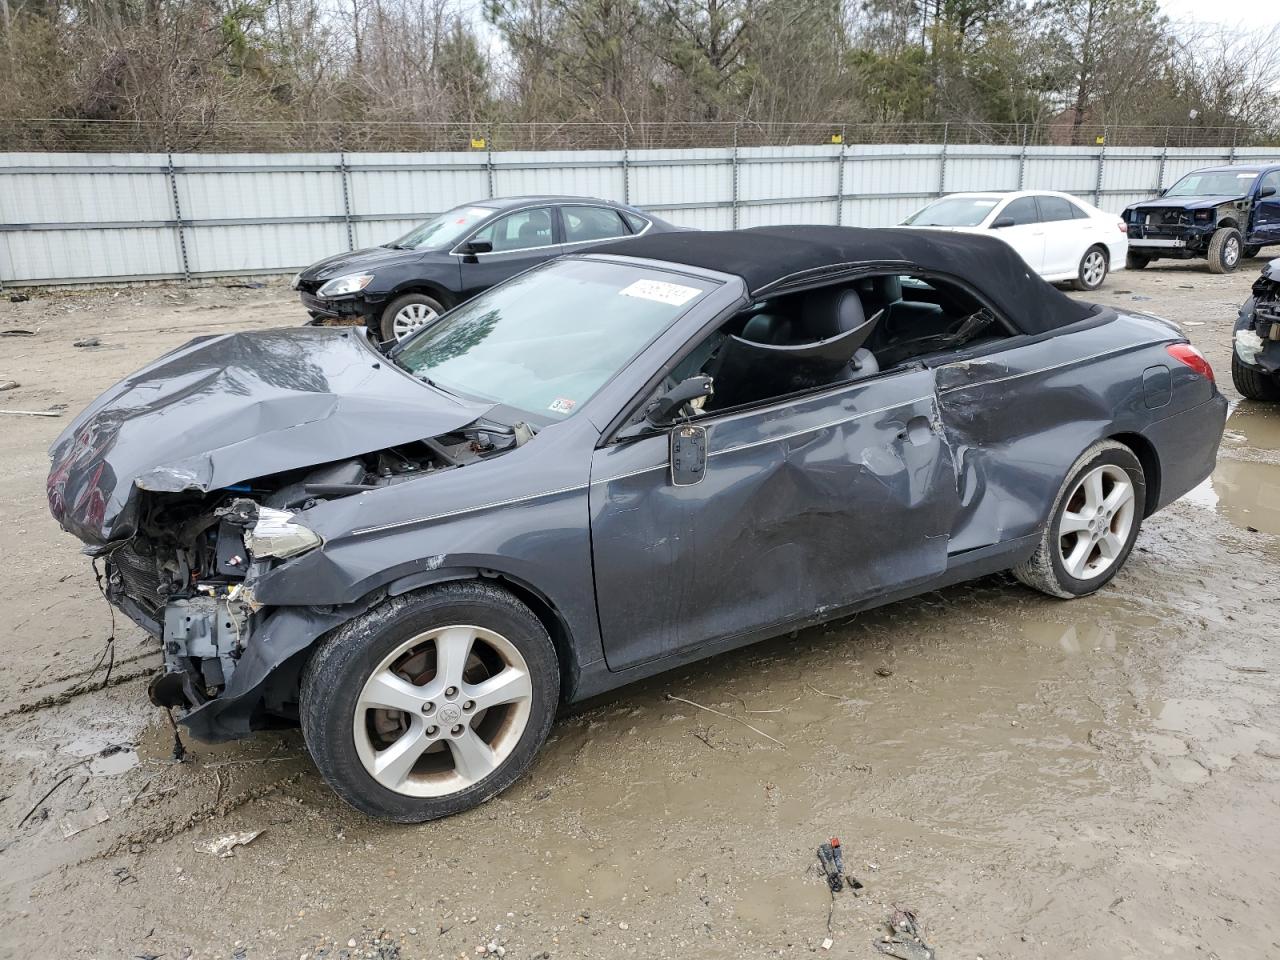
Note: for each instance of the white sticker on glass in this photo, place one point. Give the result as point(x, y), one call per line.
point(660, 291)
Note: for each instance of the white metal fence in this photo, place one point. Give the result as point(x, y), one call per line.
point(85, 217)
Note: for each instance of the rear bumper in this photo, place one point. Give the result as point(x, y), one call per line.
point(1187, 447)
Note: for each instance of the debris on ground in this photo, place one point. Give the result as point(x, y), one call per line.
point(8, 385)
point(17, 333)
point(883, 672)
point(18, 298)
point(88, 342)
point(32, 413)
point(904, 940)
point(74, 823)
point(832, 864)
point(226, 846)
point(249, 285)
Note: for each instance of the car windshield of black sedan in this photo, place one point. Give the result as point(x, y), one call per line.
point(547, 340)
point(953, 212)
point(444, 230)
point(1214, 183)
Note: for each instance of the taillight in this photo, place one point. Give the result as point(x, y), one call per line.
point(1124, 227)
point(1193, 358)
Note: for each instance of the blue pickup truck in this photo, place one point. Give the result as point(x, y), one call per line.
point(1219, 214)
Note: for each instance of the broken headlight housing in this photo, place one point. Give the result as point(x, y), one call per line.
point(341, 286)
point(275, 533)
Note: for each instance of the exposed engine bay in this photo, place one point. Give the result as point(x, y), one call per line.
point(187, 573)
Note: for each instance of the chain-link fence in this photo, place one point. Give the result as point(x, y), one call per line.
point(54, 134)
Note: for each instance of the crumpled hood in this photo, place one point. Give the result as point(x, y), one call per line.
point(1183, 203)
point(370, 258)
point(222, 410)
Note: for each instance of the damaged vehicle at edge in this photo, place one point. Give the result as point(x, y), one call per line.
point(611, 465)
point(1255, 355)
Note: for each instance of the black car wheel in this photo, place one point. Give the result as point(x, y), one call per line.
point(1251, 251)
point(405, 315)
point(1253, 384)
point(1092, 270)
point(1136, 261)
point(1095, 520)
point(430, 703)
point(1224, 250)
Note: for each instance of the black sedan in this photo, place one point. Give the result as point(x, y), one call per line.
point(609, 466)
point(398, 287)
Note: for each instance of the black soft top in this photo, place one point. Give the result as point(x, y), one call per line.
point(770, 258)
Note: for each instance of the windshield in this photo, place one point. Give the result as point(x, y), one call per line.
point(953, 212)
point(1214, 183)
point(444, 230)
point(547, 340)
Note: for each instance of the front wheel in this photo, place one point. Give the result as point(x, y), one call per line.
point(431, 702)
point(1092, 270)
point(1224, 250)
point(1093, 524)
point(1251, 251)
point(1253, 384)
point(1136, 261)
point(405, 315)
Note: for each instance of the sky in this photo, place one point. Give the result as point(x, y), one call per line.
point(1251, 13)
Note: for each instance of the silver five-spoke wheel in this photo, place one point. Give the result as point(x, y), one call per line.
point(442, 711)
point(1094, 268)
point(411, 317)
point(1096, 522)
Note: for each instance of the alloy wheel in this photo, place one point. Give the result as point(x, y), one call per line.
point(1097, 522)
point(1095, 268)
point(442, 711)
point(1231, 251)
point(411, 317)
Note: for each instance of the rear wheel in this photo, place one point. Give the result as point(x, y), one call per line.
point(1136, 261)
point(1253, 384)
point(405, 315)
point(1092, 270)
point(1224, 250)
point(1252, 251)
point(1093, 525)
point(430, 703)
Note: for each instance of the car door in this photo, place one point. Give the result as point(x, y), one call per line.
point(806, 505)
point(1065, 237)
point(1266, 210)
point(519, 241)
point(1018, 224)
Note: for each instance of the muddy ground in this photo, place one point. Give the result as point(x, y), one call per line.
point(1035, 778)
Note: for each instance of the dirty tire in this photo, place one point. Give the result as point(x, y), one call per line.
point(1251, 252)
point(1045, 571)
point(1092, 270)
point(387, 323)
point(1136, 261)
point(1224, 250)
point(1253, 384)
point(334, 677)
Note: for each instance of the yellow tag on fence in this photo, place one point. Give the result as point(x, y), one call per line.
point(1100, 141)
point(477, 143)
point(837, 138)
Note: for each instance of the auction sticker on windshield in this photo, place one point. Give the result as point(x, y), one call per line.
point(562, 405)
point(672, 294)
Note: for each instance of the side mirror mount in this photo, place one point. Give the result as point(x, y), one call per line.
point(1002, 222)
point(472, 247)
point(663, 410)
point(688, 454)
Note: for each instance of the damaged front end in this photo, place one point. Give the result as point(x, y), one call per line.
point(1257, 332)
point(193, 479)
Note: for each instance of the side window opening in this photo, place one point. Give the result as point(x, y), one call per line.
point(591, 223)
point(798, 342)
point(1055, 208)
point(1021, 211)
point(520, 231)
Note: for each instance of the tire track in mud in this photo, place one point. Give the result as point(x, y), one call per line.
point(67, 696)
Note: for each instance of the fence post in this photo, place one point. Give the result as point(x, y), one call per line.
point(840, 181)
point(1164, 161)
point(346, 191)
point(626, 169)
point(1102, 164)
point(488, 158)
point(1022, 160)
point(735, 176)
point(1235, 136)
point(177, 216)
point(942, 161)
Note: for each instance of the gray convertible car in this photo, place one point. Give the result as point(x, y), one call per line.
point(612, 464)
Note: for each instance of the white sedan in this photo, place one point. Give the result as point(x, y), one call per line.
point(1060, 236)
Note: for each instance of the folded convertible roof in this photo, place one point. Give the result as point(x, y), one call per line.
point(768, 258)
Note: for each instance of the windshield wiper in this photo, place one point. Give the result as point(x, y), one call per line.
point(435, 386)
point(396, 246)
